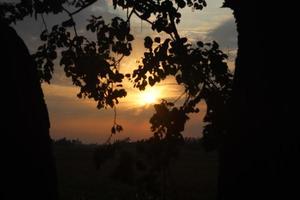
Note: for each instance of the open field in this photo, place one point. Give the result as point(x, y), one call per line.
point(193, 175)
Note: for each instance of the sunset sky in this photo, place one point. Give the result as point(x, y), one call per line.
point(76, 118)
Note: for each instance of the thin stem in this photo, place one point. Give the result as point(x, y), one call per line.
point(44, 22)
point(174, 27)
point(188, 97)
point(178, 98)
point(172, 36)
point(115, 114)
point(75, 30)
point(117, 63)
point(137, 14)
point(212, 83)
point(83, 7)
point(114, 125)
point(71, 16)
point(108, 139)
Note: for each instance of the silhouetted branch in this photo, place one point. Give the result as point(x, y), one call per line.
point(115, 115)
point(83, 7)
point(44, 22)
point(174, 26)
point(179, 97)
point(71, 17)
point(129, 15)
point(140, 16)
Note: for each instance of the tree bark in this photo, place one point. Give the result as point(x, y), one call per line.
point(27, 163)
point(259, 157)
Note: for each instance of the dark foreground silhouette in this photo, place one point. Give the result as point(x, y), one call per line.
point(260, 155)
point(27, 164)
point(191, 176)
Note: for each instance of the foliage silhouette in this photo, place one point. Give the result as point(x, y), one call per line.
point(65, 142)
point(200, 68)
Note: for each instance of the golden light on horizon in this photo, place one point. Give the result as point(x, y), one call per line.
point(149, 97)
point(136, 99)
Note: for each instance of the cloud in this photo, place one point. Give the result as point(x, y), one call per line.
point(100, 6)
point(76, 118)
point(30, 28)
point(225, 34)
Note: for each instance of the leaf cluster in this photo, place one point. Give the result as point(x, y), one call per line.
point(89, 64)
point(199, 67)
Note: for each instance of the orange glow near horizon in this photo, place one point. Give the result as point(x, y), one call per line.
point(79, 118)
point(138, 100)
point(149, 97)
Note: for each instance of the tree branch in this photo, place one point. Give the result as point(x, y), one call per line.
point(137, 14)
point(179, 97)
point(44, 22)
point(174, 27)
point(83, 7)
point(129, 16)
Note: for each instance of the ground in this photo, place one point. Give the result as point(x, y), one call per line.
point(194, 175)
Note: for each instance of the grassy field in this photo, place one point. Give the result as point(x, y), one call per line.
point(193, 176)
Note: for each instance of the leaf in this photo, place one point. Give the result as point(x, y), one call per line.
point(54, 28)
point(113, 130)
point(68, 23)
point(200, 44)
point(181, 3)
point(148, 42)
point(145, 15)
point(179, 79)
point(129, 37)
point(183, 40)
point(215, 45)
point(151, 81)
point(157, 39)
point(170, 104)
point(53, 55)
point(44, 35)
point(119, 128)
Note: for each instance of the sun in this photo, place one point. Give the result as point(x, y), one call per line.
point(149, 96)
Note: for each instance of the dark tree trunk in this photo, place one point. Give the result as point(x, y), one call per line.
point(27, 163)
point(259, 156)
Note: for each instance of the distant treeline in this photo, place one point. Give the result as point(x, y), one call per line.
point(188, 141)
point(67, 142)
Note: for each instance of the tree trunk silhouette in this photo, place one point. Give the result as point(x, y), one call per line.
point(258, 159)
point(27, 163)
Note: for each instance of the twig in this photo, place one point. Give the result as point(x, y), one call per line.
point(71, 17)
point(108, 139)
point(137, 14)
point(178, 98)
point(83, 7)
point(115, 115)
point(44, 22)
point(174, 27)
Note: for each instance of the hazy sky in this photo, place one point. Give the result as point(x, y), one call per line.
point(76, 118)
